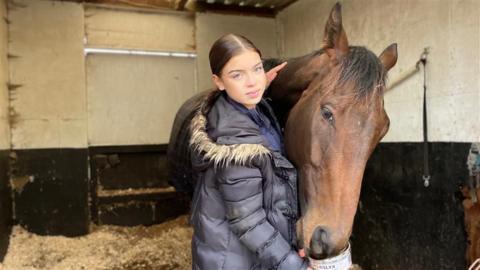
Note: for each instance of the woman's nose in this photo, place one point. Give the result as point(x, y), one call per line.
point(251, 79)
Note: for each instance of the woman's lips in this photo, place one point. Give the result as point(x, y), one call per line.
point(253, 94)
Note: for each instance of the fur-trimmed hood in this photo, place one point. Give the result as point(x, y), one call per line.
point(221, 135)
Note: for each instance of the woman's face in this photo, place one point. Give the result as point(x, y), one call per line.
point(243, 78)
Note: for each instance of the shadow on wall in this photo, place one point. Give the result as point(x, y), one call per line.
point(5, 205)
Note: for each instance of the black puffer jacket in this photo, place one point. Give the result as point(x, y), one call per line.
point(245, 206)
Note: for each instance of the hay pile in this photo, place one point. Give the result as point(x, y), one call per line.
point(161, 247)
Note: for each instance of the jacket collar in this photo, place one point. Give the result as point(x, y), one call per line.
point(236, 139)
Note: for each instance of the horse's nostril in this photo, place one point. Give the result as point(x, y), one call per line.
point(319, 244)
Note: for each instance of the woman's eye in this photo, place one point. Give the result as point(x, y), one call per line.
point(236, 76)
point(327, 115)
point(259, 68)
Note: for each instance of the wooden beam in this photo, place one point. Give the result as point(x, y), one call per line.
point(235, 9)
point(135, 3)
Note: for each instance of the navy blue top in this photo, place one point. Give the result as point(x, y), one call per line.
point(266, 128)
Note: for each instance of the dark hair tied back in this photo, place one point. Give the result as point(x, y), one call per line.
point(227, 47)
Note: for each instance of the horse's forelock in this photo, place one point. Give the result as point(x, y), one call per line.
point(362, 68)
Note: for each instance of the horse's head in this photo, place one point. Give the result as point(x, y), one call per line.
point(331, 131)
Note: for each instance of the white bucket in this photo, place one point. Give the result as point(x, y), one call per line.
point(342, 261)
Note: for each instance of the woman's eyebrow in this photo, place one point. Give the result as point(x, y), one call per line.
point(240, 70)
point(234, 70)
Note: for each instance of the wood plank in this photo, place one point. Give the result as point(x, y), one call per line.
point(136, 3)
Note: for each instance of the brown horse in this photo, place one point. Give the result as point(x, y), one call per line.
point(331, 105)
point(331, 102)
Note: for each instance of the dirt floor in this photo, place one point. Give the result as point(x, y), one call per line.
point(160, 247)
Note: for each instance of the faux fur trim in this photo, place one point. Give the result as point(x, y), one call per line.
point(219, 154)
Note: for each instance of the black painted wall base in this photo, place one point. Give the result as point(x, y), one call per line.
point(144, 209)
point(400, 223)
point(53, 195)
point(50, 189)
point(5, 204)
point(130, 186)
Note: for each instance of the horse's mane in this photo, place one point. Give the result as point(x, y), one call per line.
point(360, 66)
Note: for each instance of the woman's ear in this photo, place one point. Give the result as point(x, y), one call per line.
point(218, 82)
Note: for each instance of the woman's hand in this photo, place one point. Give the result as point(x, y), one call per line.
point(272, 73)
point(301, 253)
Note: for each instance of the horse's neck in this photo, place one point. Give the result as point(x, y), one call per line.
point(288, 86)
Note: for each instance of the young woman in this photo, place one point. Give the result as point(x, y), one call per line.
point(244, 207)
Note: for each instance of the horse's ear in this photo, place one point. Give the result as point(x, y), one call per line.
point(335, 41)
point(389, 56)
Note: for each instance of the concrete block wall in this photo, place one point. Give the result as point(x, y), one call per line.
point(49, 156)
point(5, 193)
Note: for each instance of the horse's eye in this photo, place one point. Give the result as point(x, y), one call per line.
point(327, 115)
